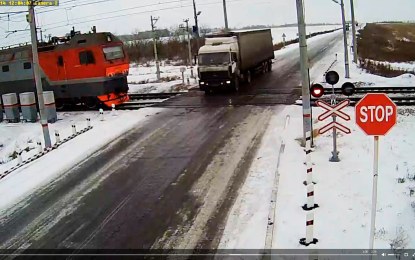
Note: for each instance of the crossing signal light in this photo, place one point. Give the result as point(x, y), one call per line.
point(332, 77)
point(348, 89)
point(317, 90)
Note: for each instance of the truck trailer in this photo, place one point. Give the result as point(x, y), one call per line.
point(230, 58)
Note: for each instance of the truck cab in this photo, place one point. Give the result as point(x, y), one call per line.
point(231, 57)
point(218, 63)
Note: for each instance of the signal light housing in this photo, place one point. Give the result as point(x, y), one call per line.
point(317, 90)
point(348, 89)
point(332, 77)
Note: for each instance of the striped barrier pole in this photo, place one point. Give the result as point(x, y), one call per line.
point(88, 123)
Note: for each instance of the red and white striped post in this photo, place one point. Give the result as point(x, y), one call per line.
point(309, 238)
point(310, 196)
point(309, 179)
point(309, 164)
point(310, 205)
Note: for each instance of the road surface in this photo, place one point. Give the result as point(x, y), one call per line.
point(166, 184)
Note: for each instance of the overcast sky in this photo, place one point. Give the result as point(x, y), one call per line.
point(126, 16)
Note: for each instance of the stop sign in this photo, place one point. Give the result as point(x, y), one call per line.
point(376, 114)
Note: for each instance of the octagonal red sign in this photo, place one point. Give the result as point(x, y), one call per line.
point(376, 114)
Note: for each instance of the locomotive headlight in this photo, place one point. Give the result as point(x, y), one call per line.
point(228, 82)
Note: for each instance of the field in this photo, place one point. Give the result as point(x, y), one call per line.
point(387, 42)
point(387, 49)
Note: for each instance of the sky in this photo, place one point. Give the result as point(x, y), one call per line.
point(127, 16)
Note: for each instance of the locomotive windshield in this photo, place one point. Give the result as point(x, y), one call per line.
point(113, 53)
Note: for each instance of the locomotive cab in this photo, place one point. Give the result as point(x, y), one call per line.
point(87, 68)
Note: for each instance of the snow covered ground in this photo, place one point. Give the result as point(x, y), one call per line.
point(343, 189)
point(291, 32)
point(407, 66)
point(143, 78)
point(30, 177)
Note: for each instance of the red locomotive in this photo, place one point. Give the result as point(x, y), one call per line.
point(89, 68)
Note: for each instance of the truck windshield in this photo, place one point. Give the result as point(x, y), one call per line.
point(220, 58)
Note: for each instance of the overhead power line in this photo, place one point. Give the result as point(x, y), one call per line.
point(129, 14)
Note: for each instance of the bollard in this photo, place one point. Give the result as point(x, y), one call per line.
point(182, 70)
point(11, 107)
point(57, 137)
point(188, 81)
point(28, 106)
point(113, 111)
point(73, 130)
point(309, 239)
point(39, 147)
point(1, 111)
point(101, 114)
point(19, 154)
point(88, 123)
point(50, 107)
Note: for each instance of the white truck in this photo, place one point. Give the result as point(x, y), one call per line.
point(229, 58)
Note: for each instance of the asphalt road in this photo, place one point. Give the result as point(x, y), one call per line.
point(166, 184)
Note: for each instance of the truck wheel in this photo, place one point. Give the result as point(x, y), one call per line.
point(249, 77)
point(264, 68)
point(269, 66)
point(236, 84)
point(208, 92)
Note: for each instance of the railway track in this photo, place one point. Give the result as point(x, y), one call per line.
point(386, 90)
point(399, 101)
point(402, 96)
point(138, 101)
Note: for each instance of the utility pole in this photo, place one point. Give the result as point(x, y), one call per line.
point(196, 23)
point(225, 15)
point(346, 50)
point(38, 77)
point(153, 26)
point(354, 32)
point(189, 42)
point(304, 69)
